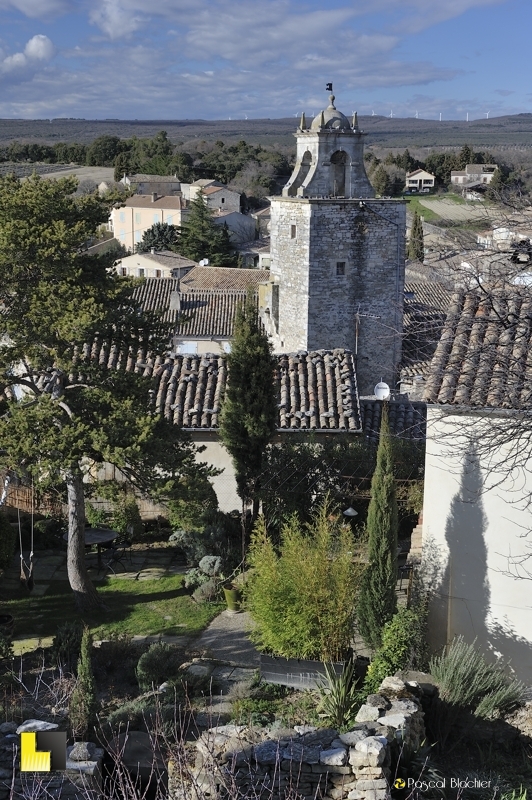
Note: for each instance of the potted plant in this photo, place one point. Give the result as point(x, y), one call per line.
point(302, 597)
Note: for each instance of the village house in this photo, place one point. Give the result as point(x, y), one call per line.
point(473, 175)
point(419, 181)
point(478, 483)
point(156, 264)
point(141, 183)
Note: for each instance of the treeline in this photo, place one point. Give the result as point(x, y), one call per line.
point(254, 170)
point(388, 175)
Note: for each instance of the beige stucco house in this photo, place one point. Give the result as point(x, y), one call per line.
point(477, 527)
point(160, 264)
point(420, 181)
point(140, 212)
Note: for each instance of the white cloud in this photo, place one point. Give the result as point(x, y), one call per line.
point(36, 8)
point(39, 50)
point(115, 19)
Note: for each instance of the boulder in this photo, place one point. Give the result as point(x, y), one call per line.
point(336, 757)
point(368, 713)
point(35, 725)
point(82, 751)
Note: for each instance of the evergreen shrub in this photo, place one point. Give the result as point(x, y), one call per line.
point(403, 646)
point(83, 703)
point(302, 598)
point(467, 680)
point(66, 646)
point(158, 664)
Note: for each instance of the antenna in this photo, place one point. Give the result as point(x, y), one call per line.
point(382, 391)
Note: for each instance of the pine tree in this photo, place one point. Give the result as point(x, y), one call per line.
point(465, 156)
point(378, 601)
point(83, 701)
point(161, 236)
point(249, 413)
point(380, 180)
point(201, 238)
point(416, 251)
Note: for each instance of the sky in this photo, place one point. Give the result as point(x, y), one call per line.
point(215, 59)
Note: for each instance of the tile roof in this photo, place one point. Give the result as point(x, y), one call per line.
point(228, 278)
point(484, 356)
point(424, 312)
point(140, 176)
point(146, 201)
point(170, 260)
point(407, 419)
point(202, 313)
point(211, 189)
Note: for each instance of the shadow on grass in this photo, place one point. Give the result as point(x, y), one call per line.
point(134, 608)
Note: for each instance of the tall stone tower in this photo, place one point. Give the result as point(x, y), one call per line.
point(337, 254)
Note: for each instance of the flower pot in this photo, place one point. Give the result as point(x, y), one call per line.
point(300, 673)
point(233, 597)
point(7, 624)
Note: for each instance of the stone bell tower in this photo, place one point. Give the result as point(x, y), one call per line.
point(337, 254)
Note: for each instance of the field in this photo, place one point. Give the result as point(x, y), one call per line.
point(503, 132)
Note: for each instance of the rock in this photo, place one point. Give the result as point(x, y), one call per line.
point(378, 701)
point(373, 744)
point(305, 729)
point(267, 752)
point(364, 786)
point(164, 687)
point(392, 684)
point(336, 757)
point(393, 720)
point(31, 725)
point(367, 714)
point(352, 737)
point(8, 727)
point(301, 753)
point(82, 751)
point(199, 670)
point(321, 736)
point(403, 706)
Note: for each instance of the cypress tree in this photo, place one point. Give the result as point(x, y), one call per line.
point(249, 412)
point(416, 250)
point(378, 601)
point(83, 701)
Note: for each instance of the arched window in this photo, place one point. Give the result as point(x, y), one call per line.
point(306, 161)
point(338, 171)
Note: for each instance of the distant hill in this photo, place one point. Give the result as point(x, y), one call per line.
point(508, 131)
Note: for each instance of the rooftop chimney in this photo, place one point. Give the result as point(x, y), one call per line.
point(153, 197)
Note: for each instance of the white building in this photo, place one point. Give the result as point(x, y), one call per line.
point(420, 181)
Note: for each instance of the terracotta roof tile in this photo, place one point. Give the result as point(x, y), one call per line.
point(424, 312)
point(484, 356)
point(223, 278)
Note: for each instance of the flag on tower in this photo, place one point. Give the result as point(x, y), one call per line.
point(328, 87)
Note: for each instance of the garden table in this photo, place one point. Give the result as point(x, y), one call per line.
point(99, 537)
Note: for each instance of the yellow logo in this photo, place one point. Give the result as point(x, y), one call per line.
point(43, 751)
point(399, 783)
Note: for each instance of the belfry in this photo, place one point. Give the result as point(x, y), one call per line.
point(337, 254)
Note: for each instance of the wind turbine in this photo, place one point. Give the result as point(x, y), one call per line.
point(440, 116)
point(391, 114)
point(487, 113)
point(417, 116)
point(372, 113)
point(467, 117)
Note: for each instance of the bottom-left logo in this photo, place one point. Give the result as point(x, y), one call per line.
point(43, 751)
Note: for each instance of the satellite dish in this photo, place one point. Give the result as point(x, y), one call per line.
point(350, 512)
point(382, 391)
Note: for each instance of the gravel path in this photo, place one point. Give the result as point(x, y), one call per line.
point(226, 639)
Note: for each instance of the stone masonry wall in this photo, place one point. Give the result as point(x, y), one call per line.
point(237, 761)
point(317, 307)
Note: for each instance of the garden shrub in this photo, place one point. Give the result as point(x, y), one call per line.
point(302, 598)
point(207, 592)
point(194, 578)
point(158, 664)
point(83, 704)
point(339, 697)
point(467, 680)
point(144, 713)
point(403, 646)
point(97, 517)
point(6, 648)
point(8, 539)
point(67, 644)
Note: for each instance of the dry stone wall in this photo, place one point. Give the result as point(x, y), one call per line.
point(237, 761)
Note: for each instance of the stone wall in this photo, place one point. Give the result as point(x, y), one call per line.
point(236, 761)
point(317, 306)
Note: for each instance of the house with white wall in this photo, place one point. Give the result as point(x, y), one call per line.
point(419, 181)
point(156, 264)
point(477, 527)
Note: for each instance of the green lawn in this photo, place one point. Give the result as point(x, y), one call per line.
point(413, 204)
point(135, 607)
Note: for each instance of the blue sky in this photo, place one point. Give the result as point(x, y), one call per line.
point(214, 59)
